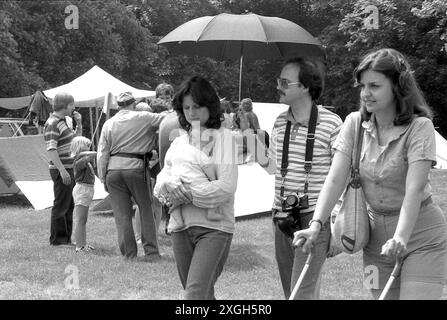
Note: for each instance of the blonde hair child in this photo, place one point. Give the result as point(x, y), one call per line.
point(83, 191)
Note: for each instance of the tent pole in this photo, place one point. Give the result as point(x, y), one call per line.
point(240, 74)
point(97, 123)
point(90, 113)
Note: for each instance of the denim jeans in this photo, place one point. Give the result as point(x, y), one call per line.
point(122, 185)
point(62, 211)
point(200, 254)
point(291, 261)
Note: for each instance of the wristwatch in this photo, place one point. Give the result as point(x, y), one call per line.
point(316, 220)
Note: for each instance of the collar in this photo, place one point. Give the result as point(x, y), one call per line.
point(291, 118)
point(371, 128)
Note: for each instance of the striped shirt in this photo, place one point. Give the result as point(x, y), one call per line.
point(58, 136)
point(327, 129)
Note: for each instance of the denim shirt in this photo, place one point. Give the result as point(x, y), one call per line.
point(383, 170)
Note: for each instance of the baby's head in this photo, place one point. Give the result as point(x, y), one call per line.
point(79, 144)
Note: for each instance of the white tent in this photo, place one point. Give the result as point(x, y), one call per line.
point(91, 88)
point(441, 152)
point(88, 90)
point(25, 167)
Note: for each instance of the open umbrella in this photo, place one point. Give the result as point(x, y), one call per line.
point(245, 37)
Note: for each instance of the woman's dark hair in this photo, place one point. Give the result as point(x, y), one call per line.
point(409, 98)
point(310, 75)
point(204, 95)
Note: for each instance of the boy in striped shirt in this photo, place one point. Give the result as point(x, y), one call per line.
point(58, 137)
point(299, 86)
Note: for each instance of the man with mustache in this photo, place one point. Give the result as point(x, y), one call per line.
point(297, 180)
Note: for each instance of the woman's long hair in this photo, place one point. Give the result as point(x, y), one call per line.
point(410, 101)
point(204, 95)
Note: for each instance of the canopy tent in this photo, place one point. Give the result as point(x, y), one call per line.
point(25, 167)
point(88, 90)
point(441, 151)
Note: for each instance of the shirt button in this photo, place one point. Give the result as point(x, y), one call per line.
point(381, 201)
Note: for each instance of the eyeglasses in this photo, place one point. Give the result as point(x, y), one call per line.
point(284, 83)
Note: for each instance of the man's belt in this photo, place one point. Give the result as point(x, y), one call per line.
point(145, 157)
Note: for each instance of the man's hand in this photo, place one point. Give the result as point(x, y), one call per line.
point(77, 117)
point(66, 179)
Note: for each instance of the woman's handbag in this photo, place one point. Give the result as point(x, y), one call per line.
point(350, 226)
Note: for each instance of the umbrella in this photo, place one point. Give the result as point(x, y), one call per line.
point(244, 37)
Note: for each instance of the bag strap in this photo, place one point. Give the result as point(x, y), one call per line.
point(355, 168)
point(309, 149)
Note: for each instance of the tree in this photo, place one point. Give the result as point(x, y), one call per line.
point(416, 33)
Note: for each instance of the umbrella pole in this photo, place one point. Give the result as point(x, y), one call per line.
point(240, 77)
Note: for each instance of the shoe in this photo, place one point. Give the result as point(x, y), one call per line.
point(139, 241)
point(155, 257)
point(85, 248)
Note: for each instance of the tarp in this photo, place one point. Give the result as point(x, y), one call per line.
point(88, 90)
point(23, 163)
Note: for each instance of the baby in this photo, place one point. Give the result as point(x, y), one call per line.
point(185, 164)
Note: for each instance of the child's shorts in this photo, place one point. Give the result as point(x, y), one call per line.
point(83, 194)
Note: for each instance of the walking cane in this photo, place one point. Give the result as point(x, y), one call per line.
point(393, 276)
point(302, 275)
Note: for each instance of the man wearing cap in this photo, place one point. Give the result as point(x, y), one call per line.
point(123, 148)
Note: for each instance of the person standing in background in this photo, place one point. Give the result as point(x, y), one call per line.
point(58, 137)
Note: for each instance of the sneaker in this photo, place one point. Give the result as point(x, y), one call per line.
point(139, 241)
point(85, 248)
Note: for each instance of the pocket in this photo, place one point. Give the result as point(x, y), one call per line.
point(397, 161)
point(394, 171)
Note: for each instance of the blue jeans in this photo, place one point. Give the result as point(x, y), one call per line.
point(200, 254)
point(62, 211)
point(122, 185)
point(291, 261)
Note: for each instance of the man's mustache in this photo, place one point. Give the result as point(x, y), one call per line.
point(281, 93)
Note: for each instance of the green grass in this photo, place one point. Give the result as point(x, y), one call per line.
point(31, 269)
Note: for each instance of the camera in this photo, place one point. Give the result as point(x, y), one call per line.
point(294, 201)
point(288, 219)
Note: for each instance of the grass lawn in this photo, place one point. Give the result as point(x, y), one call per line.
point(31, 269)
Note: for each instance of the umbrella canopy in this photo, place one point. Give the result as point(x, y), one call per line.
point(230, 36)
point(245, 37)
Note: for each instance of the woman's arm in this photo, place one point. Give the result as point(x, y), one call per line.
point(211, 194)
point(416, 180)
point(333, 187)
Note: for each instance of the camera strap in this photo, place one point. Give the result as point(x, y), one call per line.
point(310, 140)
